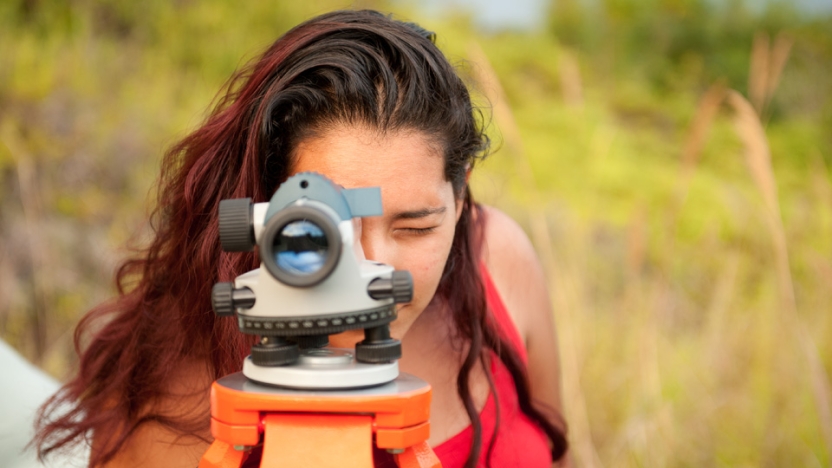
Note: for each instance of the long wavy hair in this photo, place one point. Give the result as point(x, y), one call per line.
point(355, 67)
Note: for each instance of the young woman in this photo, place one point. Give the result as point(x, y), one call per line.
point(367, 101)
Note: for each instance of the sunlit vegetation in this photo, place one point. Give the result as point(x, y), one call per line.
point(670, 159)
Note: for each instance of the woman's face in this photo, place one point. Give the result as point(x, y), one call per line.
point(420, 210)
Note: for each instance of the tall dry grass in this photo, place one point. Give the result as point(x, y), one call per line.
point(767, 64)
point(629, 352)
point(758, 158)
point(697, 137)
point(571, 85)
point(40, 276)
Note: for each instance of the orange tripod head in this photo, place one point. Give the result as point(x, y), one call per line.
point(322, 429)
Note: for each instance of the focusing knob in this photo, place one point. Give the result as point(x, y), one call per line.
point(222, 300)
point(402, 286)
point(236, 227)
point(399, 287)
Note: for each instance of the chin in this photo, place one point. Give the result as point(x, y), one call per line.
point(397, 330)
point(406, 316)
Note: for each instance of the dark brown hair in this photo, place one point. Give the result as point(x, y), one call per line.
point(357, 67)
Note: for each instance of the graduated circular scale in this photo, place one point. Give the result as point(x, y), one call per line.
point(323, 368)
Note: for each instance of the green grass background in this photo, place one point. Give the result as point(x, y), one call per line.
point(676, 346)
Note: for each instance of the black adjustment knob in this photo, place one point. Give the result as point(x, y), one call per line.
point(378, 346)
point(222, 300)
point(236, 226)
point(274, 351)
point(399, 287)
point(225, 299)
point(402, 286)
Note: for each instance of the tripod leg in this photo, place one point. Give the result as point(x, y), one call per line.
point(222, 455)
point(418, 456)
point(319, 440)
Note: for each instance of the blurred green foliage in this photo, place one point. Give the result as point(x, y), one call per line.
point(674, 343)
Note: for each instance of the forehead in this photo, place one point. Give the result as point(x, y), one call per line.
point(407, 165)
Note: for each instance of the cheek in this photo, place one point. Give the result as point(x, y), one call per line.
point(426, 264)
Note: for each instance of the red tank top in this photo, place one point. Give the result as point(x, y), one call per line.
point(519, 442)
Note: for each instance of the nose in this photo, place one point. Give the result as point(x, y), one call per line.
point(357, 246)
point(375, 244)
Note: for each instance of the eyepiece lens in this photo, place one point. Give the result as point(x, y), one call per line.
point(300, 248)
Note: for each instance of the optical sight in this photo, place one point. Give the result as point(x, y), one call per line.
point(311, 282)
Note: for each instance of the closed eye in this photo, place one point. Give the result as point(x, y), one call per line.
point(419, 231)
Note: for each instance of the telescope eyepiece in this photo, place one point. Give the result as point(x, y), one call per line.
point(301, 245)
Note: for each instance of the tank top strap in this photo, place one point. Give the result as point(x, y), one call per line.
point(499, 313)
point(520, 442)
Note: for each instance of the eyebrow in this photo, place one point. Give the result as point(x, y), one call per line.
point(419, 213)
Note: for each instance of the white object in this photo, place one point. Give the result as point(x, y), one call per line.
point(23, 389)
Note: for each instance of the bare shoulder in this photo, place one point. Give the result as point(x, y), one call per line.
point(518, 275)
point(505, 239)
point(515, 268)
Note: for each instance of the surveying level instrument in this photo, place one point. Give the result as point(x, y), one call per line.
point(307, 404)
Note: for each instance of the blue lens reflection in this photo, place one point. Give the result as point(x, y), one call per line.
point(301, 248)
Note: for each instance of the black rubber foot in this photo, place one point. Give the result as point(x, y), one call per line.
point(273, 351)
point(377, 346)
